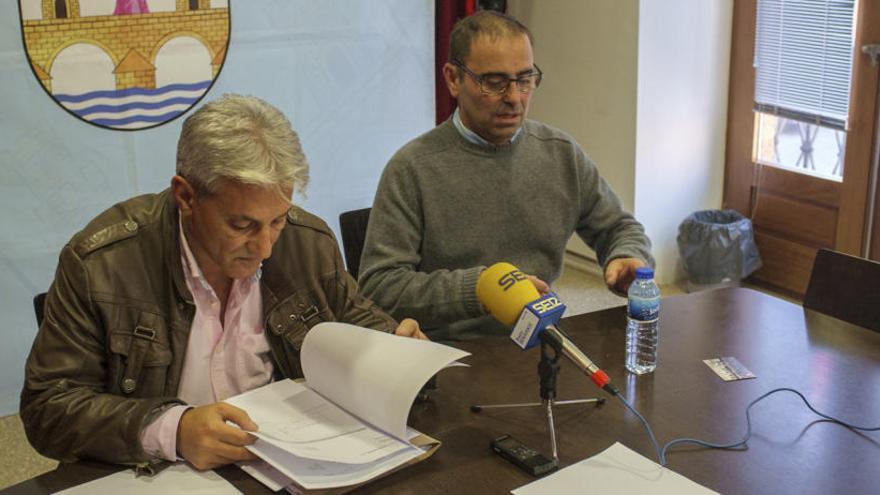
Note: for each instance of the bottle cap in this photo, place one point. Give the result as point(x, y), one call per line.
point(644, 272)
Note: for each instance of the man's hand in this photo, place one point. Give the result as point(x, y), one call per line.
point(206, 441)
point(410, 328)
point(543, 287)
point(620, 273)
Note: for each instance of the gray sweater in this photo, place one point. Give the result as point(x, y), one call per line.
point(447, 208)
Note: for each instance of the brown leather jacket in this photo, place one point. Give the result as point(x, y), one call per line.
point(109, 354)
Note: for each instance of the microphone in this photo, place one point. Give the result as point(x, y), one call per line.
point(514, 301)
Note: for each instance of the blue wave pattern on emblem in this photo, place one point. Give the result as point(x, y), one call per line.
point(134, 108)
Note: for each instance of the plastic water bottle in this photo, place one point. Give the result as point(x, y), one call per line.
point(642, 322)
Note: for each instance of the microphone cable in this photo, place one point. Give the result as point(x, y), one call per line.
point(661, 453)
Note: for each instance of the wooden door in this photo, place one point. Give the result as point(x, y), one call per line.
point(794, 214)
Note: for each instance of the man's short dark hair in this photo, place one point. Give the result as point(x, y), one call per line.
point(483, 23)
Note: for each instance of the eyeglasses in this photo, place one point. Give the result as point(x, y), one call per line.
point(498, 84)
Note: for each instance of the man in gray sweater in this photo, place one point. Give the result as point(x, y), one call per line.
point(485, 186)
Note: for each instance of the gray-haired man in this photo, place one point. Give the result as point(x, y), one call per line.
point(184, 298)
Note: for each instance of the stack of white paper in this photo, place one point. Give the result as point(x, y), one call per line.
point(347, 423)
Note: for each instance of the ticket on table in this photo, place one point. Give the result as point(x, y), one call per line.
point(729, 368)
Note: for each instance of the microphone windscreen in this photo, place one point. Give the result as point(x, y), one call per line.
point(504, 290)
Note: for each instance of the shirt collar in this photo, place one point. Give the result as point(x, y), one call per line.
point(472, 136)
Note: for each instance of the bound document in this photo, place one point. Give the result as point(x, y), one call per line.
point(345, 424)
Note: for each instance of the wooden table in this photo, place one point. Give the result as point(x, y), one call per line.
point(837, 367)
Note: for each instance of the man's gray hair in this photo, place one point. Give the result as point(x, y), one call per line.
point(482, 23)
point(241, 138)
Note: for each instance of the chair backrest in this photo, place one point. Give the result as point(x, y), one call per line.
point(39, 302)
point(845, 287)
point(354, 232)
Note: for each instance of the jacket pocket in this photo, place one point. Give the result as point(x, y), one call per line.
point(141, 358)
point(293, 317)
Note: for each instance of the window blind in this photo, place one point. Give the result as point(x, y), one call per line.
point(803, 59)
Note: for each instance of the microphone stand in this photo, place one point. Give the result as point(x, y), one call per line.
point(548, 370)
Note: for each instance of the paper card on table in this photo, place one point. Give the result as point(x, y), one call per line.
point(178, 478)
point(617, 469)
point(729, 368)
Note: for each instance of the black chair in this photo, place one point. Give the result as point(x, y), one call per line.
point(39, 302)
point(354, 232)
point(845, 287)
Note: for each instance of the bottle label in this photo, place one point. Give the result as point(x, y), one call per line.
point(644, 308)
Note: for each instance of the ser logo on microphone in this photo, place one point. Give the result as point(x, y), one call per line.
point(510, 279)
point(542, 306)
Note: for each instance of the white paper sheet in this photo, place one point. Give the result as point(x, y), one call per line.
point(314, 475)
point(179, 478)
point(617, 469)
point(295, 418)
point(263, 472)
point(350, 366)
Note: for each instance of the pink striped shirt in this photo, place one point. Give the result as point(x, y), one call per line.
point(222, 358)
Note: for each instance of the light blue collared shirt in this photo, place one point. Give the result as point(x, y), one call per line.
point(472, 136)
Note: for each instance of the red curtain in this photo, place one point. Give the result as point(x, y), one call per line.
point(446, 13)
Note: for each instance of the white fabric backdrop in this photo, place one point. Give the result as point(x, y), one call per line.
point(354, 77)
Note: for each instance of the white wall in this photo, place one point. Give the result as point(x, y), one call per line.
point(356, 80)
point(642, 86)
point(684, 52)
point(588, 52)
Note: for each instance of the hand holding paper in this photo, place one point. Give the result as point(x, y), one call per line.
point(206, 441)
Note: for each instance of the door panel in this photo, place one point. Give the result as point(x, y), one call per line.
point(787, 264)
point(794, 219)
point(783, 182)
point(861, 135)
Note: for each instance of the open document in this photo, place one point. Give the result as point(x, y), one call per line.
point(346, 424)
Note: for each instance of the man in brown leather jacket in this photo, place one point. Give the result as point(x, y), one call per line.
point(110, 356)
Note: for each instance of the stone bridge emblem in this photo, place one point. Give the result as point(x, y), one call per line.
point(126, 64)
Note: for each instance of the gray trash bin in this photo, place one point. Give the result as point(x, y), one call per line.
point(717, 248)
